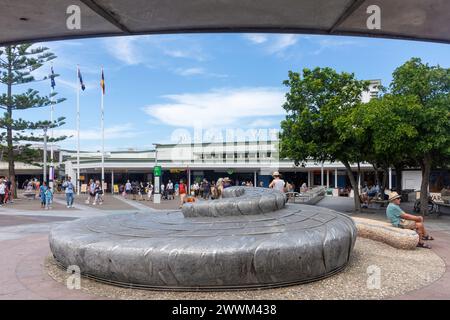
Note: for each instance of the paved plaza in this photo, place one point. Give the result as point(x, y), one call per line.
point(26, 266)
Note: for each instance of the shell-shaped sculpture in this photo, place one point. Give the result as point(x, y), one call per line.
point(248, 239)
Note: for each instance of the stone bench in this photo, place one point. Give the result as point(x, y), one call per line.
point(386, 233)
point(439, 205)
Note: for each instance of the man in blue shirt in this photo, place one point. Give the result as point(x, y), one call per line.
point(401, 219)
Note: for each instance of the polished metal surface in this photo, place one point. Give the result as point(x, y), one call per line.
point(295, 244)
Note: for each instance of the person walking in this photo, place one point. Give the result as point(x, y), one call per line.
point(98, 193)
point(69, 187)
point(127, 188)
point(183, 191)
point(177, 189)
point(91, 191)
point(48, 198)
point(141, 191)
point(42, 189)
point(206, 189)
point(8, 195)
point(149, 191)
point(2, 191)
point(170, 190)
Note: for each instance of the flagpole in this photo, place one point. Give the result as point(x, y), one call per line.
point(52, 170)
point(103, 137)
point(78, 133)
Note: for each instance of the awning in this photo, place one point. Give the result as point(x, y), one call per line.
point(44, 20)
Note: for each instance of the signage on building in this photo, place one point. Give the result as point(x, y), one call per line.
point(230, 171)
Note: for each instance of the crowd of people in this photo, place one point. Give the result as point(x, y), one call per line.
point(200, 189)
point(135, 190)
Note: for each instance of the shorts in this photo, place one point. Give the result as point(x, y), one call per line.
point(407, 224)
point(127, 191)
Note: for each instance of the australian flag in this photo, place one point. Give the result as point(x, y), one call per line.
point(52, 80)
point(81, 80)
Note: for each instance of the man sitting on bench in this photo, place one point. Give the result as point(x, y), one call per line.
point(401, 219)
point(367, 194)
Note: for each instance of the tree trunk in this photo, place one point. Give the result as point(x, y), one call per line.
point(398, 178)
point(9, 135)
point(359, 177)
point(385, 179)
point(376, 170)
point(426, 169)
point(354, 186)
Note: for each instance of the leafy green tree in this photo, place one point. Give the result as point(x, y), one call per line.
point(389, 126)
point(317, 105)
point(17, 62)
point(430, 86)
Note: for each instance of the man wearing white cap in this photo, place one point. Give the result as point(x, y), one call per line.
point(277, 183)
point(401, 219)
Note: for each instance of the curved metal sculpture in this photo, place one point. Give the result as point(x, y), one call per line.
point(248, 239)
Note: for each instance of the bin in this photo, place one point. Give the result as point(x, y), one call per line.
point(405, 194)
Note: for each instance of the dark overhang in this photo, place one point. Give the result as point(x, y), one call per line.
point(45, 20)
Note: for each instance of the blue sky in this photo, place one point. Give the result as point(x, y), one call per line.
point(159, 87)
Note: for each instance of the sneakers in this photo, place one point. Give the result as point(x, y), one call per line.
point(68, 207)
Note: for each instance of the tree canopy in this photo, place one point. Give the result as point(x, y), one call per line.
point(407, 126)
point(17, 62)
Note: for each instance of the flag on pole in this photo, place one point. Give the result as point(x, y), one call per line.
point(52, 80)
point(81, 80)
point(102, 82)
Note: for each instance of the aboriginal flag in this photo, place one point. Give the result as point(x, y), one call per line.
point(102, 82)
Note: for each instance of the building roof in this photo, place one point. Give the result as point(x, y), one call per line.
point(39, 20)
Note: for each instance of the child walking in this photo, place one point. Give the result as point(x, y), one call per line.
point(48, 198)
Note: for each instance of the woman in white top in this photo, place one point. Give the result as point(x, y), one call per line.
point(277, 183)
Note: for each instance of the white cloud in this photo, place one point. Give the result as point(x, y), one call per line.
point(218, 108)
point(273, 44)
point(257, 38)
point(114, 132)
point(124, 49)
point(189, 71)
point(332, 43)
point(261, 123)
point(282, 42)
point(191, 53)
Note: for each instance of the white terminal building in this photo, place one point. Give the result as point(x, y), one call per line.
point(241, 161)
